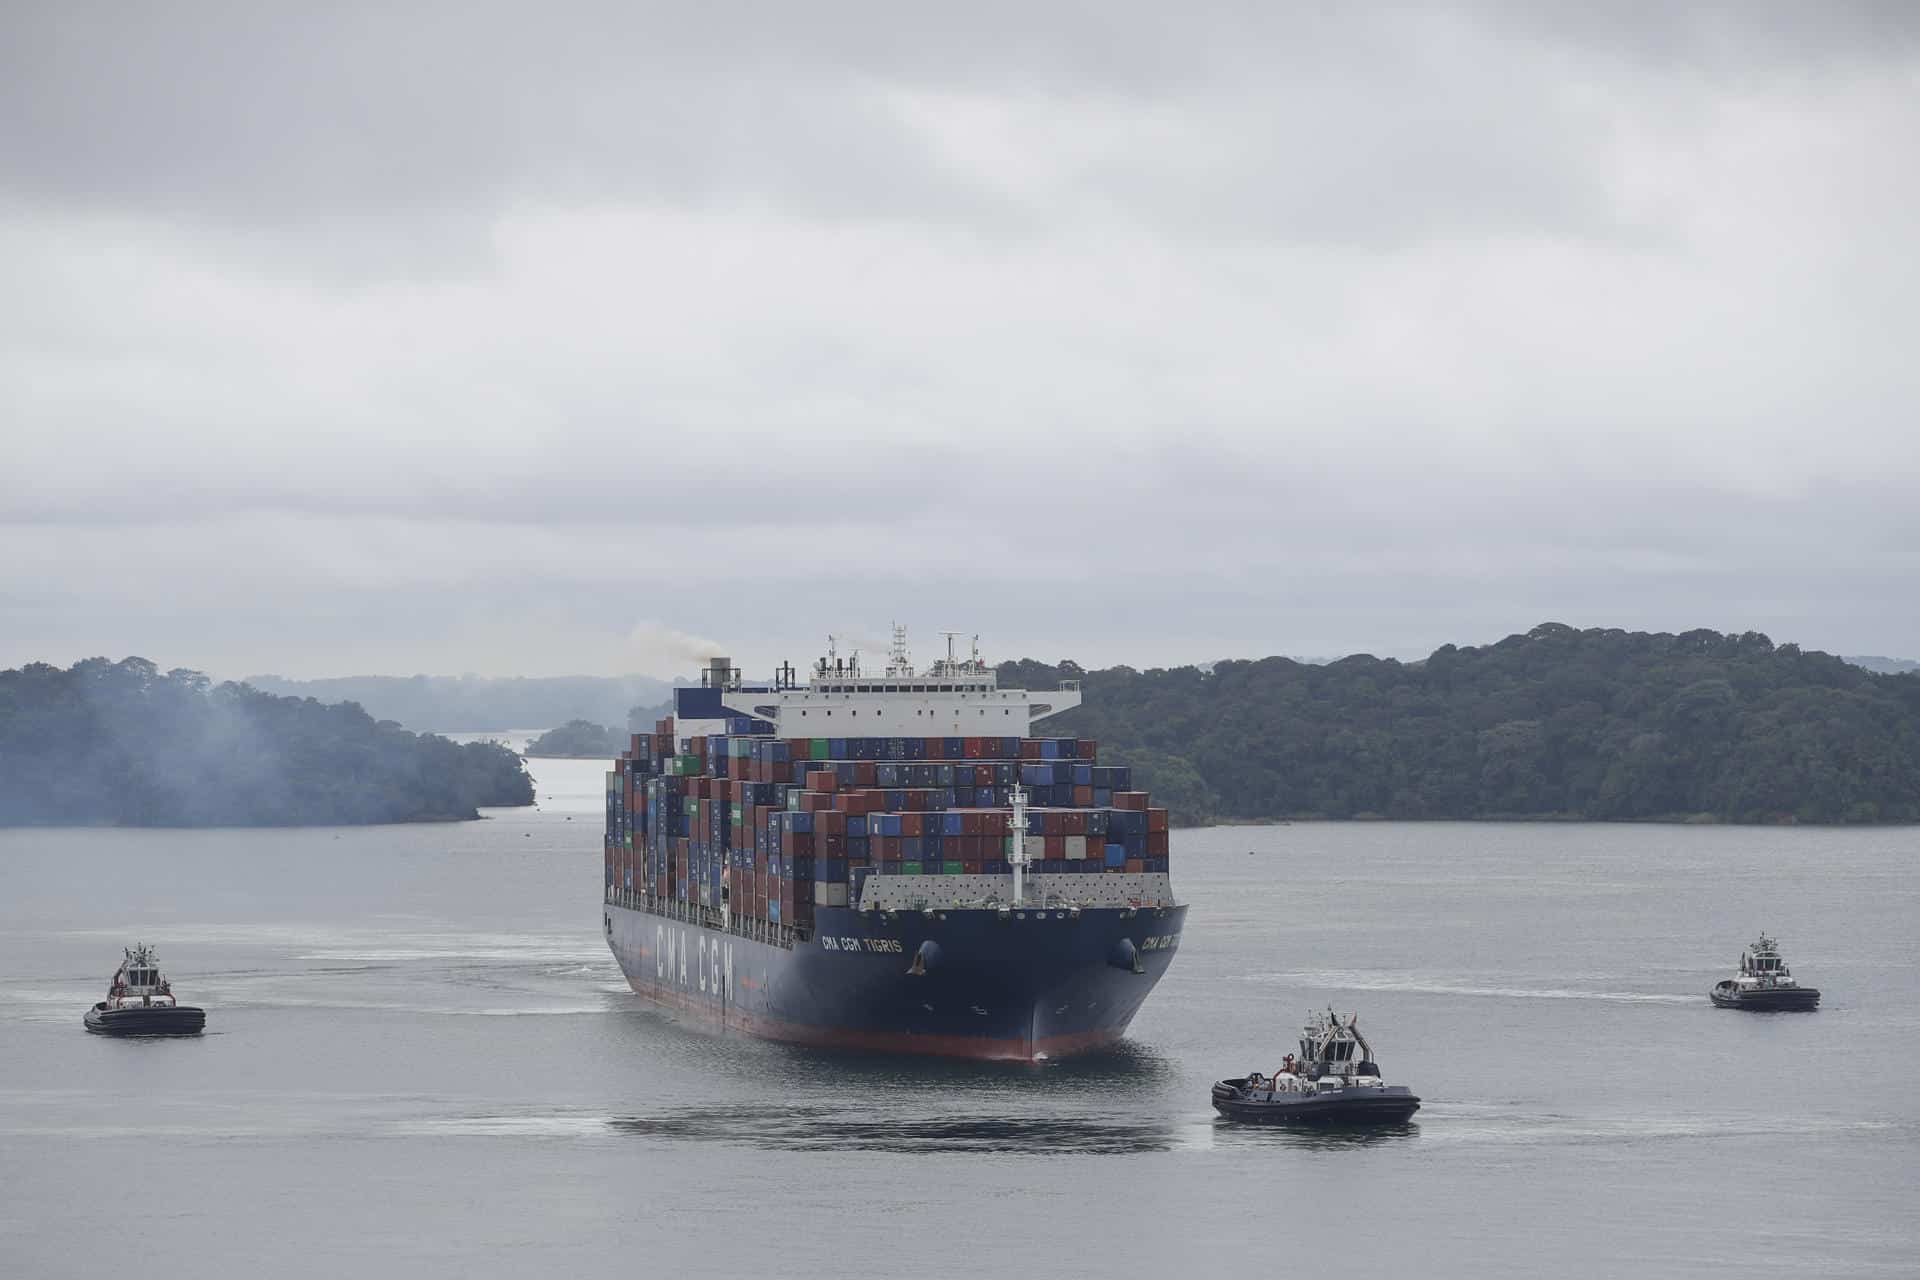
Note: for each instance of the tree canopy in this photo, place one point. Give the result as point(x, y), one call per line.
point(123, 743)
point(1563, 723)
point(578, 740)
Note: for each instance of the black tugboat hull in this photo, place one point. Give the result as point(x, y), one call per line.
point(1394, 1104)
point(174, 1020)
point(1773, 1000)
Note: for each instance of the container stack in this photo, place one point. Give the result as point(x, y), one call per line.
point(776, 827)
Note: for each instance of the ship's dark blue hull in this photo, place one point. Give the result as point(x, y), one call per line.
point(1024, 985)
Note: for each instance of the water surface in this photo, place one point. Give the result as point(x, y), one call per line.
point(421, 1061)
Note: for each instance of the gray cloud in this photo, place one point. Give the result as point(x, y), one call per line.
point(448, 338)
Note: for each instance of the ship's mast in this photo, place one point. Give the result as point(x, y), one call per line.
point(899, 662)
point(1018, 854)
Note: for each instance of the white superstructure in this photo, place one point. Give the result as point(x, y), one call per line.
point(953, 698)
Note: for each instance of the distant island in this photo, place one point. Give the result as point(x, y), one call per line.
point(578, 740)
point(1885, 666)
point(1558, 723)
point(125, 744)
point(483, 704)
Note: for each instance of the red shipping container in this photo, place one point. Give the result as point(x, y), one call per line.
point(822, 780)
point(1156, 819)
point(866, 773)
point(982, 775)
point(913, 824)
point(1134, 800)
point(936, 748)
point(1073, 823)
point(969, 867)
point(1136, 865)
point(1056, 847)
point(1156, 844)
point(971, 748)
point(833, 846)
point(830, 822)
point(1088, 750)
point(1083, 796)
point(1029, 749)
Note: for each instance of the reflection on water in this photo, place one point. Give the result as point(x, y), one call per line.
point(827, 1129)
point(1228, 1133)
point(1127, 1067)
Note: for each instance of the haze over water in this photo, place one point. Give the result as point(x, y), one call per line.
point(421, 1061)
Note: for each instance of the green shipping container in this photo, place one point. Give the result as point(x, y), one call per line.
point(953, 868)
point(909, 868)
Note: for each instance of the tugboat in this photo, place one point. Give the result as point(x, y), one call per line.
point(1333, 1081)
point(1764, 982)
point(140, 1002)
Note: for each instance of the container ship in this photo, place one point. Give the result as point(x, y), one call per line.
point(891, 862)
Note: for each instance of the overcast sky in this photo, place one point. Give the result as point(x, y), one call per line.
point(563, 338)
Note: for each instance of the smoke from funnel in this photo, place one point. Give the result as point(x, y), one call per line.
point(660, 650)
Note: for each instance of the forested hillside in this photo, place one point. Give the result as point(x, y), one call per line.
point(1599, 724)
point(578, 740)
point(125, 744)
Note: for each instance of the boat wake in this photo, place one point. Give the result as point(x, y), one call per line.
point(1354, 980)
point(1466, 1123)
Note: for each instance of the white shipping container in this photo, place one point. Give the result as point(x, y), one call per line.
point(1076, 848)
point(829, 895)
point(1036, 847)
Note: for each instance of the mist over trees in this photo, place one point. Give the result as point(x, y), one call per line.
point(479, 704)
point(1556, 723)
point(123, 743)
